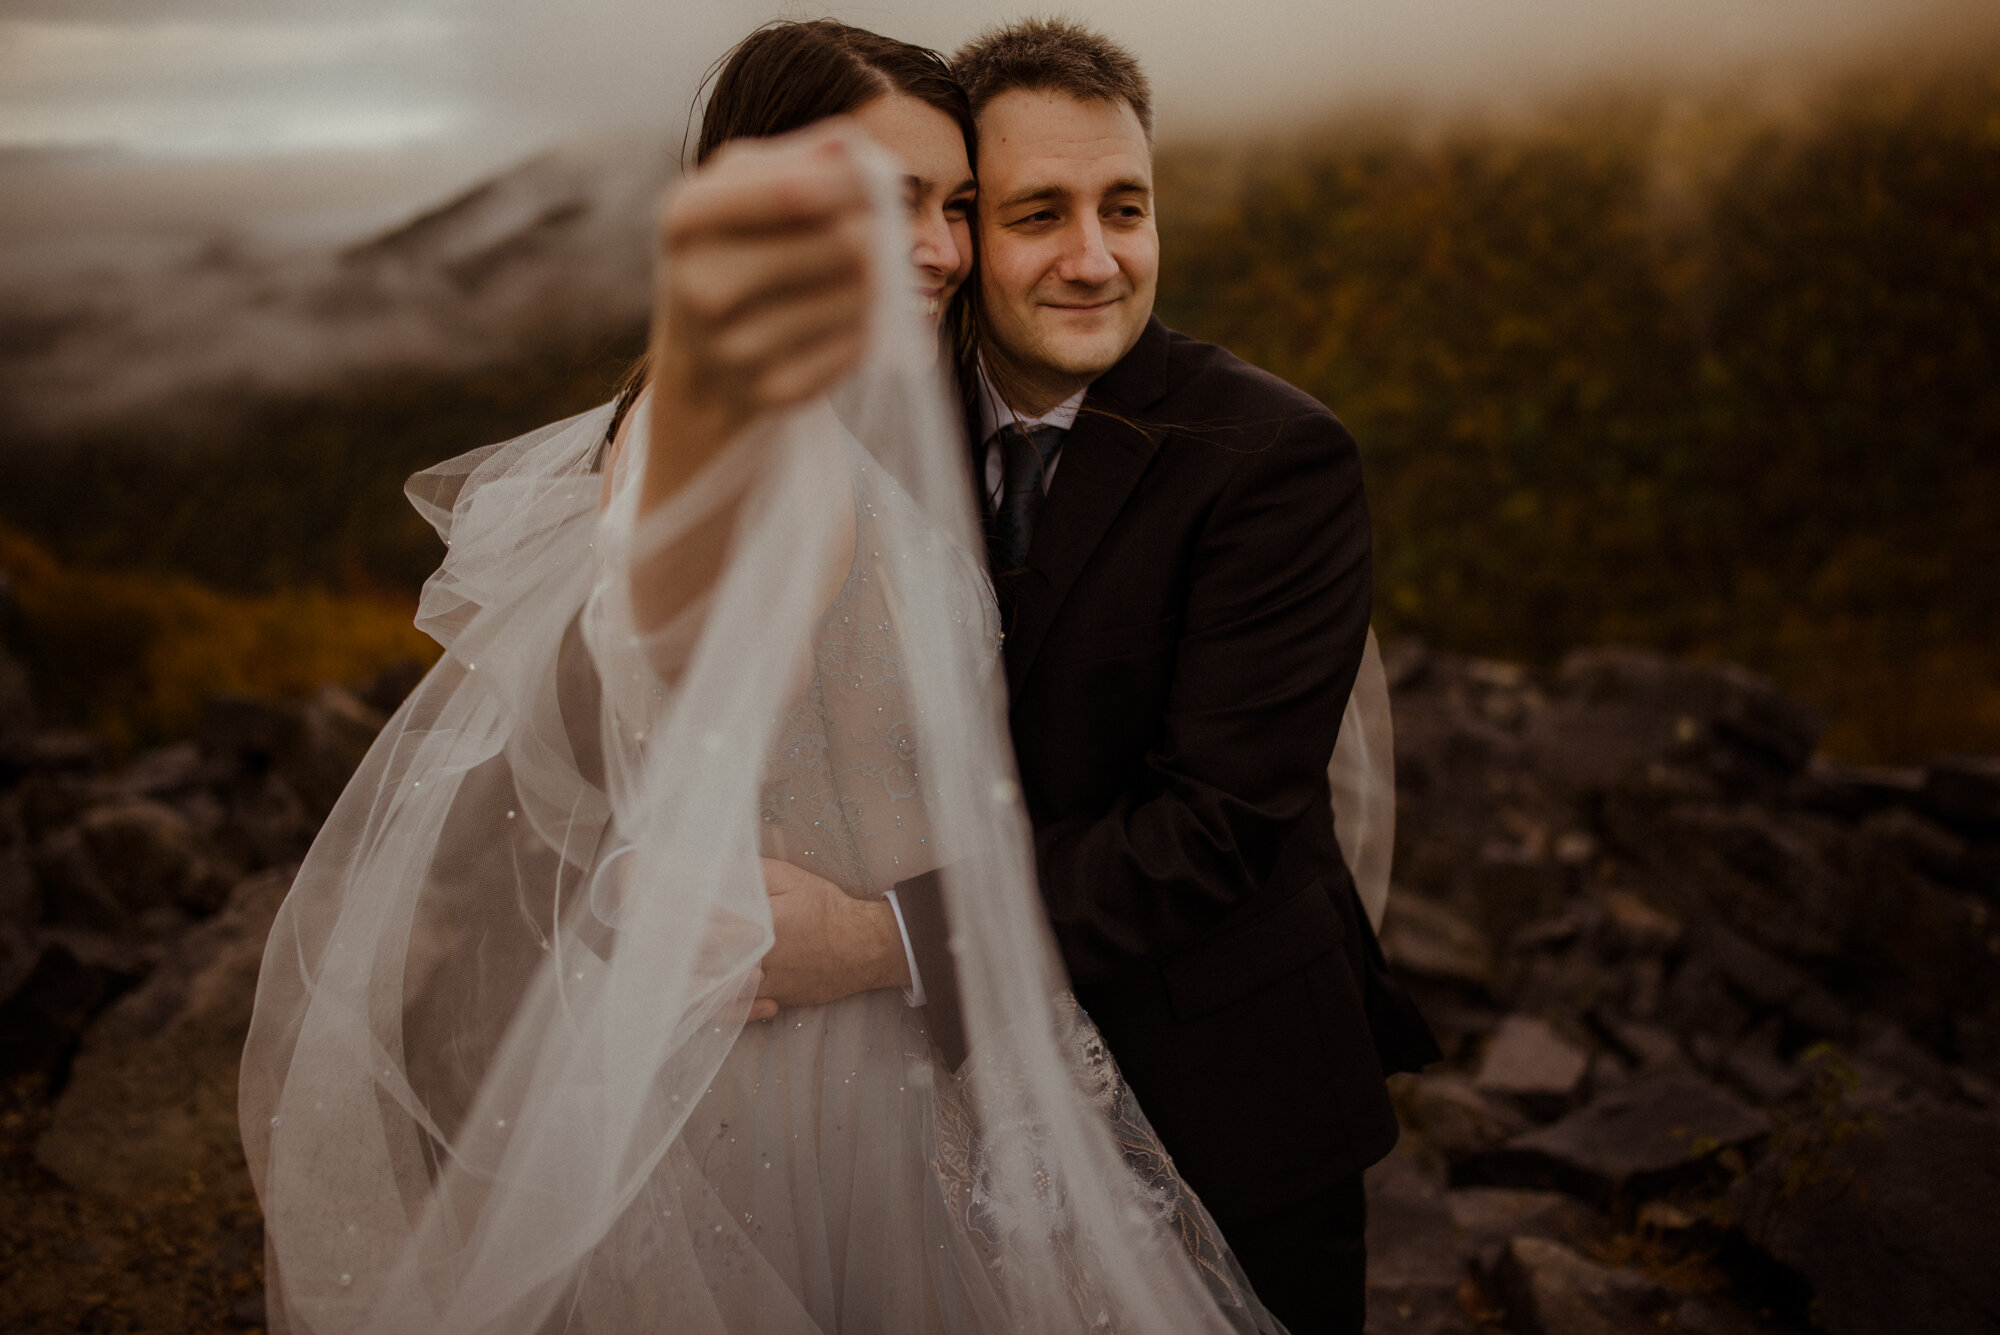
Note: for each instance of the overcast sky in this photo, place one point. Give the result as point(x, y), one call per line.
point(341, 91)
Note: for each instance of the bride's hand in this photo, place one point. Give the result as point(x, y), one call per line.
point(762, 295)
point(828, 945)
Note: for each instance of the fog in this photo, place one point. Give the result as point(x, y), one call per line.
point(125, 123)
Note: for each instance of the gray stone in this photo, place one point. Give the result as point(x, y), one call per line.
point(162, 772)
point(1635, 1139)
point(1414, 1270)
point(266, 822)
point(1964, 790)
point(1637, 927)
point(1455, 1119)
point(1890, 1221)
point(1548, 1289)
point(120, 860)
point(1619, 708)
point(49, 991)
point(245, 731)
point(1770, 984)
point(1646, 1046)
point(1426, 940)
point(152, 1094)
point(20, 897)
point(338, 730)
point(1527, 1059)
point(1488, 1217)
point(1853, 791)
point(63, 751)
point(1754, 1066)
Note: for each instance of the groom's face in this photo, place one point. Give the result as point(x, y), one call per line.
point(1068, 253)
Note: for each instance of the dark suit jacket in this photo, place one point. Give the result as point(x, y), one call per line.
point(1180, 648)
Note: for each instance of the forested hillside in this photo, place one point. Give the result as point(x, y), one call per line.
point(1703, 378)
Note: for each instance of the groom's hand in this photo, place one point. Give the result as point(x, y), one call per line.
point(829, 945)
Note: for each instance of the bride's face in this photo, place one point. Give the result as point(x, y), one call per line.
point(938, 188)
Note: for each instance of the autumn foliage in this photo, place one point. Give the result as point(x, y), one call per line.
point(134, 655)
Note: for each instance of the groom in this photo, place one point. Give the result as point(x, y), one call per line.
point(1181, 546)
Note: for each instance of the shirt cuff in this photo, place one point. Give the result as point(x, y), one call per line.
point(914, 993)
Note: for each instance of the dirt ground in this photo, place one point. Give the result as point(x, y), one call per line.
point(190, 1260)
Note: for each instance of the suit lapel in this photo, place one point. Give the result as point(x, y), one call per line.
point(1107, 451)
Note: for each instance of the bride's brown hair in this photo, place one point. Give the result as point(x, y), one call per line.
point(787, 75)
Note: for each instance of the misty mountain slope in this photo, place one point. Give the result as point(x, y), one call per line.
point(549, 249)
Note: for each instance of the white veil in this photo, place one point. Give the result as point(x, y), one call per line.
point(1362, 777)
point(502, 1015)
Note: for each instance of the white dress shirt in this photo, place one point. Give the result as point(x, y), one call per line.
point(994, 414)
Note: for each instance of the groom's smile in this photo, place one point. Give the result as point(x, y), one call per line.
point(1069, 255)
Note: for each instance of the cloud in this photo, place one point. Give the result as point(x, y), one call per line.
point(184, 84)
point(474, 84)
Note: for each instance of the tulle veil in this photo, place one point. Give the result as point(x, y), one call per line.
point(509, 977)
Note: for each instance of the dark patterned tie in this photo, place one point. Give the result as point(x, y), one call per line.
point(1024, 462)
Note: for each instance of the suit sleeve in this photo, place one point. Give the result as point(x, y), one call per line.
point(1275, 621)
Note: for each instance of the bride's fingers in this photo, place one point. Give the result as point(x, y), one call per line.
point(813, 369)
point(716, 284)
point(747, 348)
point(763, 1009)
point(768, 185)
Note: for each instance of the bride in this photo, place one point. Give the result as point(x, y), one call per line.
point(519, 1060)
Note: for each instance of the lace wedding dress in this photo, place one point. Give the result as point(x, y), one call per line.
point(500, 1075)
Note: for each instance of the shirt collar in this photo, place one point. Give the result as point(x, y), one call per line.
point(994, 412)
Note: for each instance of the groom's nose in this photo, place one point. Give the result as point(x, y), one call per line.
point(1085, 258)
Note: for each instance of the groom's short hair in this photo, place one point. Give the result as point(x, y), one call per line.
point(1053, 55)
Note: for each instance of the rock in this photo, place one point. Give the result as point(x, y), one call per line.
point(1892, 1224)
point(1854, 791)
point(265, 822)
point(162, 772)
point(392, 686)
point(17, 704)
point(1455, 1119)
point(1766, 877)
point(20, 897)
point(120, 860)
point(240, 731)
point(1617, 709)
point(1632, 1140)
point(62, 751)
point(1515, 886)
point(1426, 940)
point(338, 730)
point(1548, 1289)
point(1528, 1060)
point(1488, 1217)
point(1636, 927)
point(1769, 984)
point(49, 991)
point(1964, 790)
point(1754, 1066)
point(1414, 1270)
point(1646, 1046)
point(1902, 844)
point(152, 1094)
